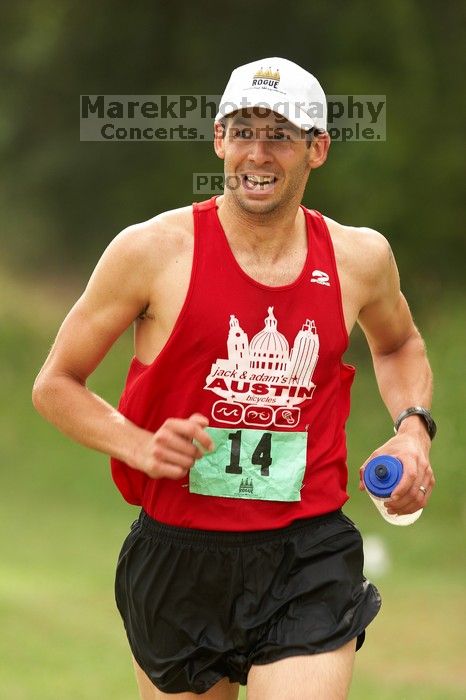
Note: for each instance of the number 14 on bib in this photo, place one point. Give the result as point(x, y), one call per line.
point(252, 464)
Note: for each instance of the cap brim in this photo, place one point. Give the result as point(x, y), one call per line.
point(259, 98)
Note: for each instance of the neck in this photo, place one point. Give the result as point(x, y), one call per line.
point(270, 234)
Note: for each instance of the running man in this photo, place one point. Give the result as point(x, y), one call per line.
point(230, 432)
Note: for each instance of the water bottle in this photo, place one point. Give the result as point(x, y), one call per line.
point(381, 475)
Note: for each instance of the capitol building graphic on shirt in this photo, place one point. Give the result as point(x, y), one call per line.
point(264, 373)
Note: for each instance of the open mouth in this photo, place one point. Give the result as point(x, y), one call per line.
point(259, 183)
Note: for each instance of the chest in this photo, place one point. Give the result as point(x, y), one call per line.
point(224, 290)
point(273, 273)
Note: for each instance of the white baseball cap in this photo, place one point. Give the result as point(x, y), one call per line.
point(279, 85)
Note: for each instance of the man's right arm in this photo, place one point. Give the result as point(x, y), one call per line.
point(116, 293)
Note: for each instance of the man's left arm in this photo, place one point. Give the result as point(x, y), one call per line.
point(404, 378)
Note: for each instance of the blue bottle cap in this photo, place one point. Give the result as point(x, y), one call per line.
point(382, 474)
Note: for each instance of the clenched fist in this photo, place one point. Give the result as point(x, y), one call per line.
point(171, 451)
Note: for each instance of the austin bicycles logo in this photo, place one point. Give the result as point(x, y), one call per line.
point(262, 382)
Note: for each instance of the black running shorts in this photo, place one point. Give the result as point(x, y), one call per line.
point(201, 605)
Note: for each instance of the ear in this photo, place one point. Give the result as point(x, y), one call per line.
point(219, 139)
point(318, 150)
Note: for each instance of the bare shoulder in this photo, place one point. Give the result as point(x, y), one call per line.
point(157, 237)
point(139, 251)
point(363, 250)
point(171, 227)
point(366, 268)
point(365, 258)
point(138, 256)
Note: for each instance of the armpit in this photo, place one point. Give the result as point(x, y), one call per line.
point(145, 314)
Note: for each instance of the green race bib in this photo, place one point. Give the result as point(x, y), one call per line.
point(255, 464)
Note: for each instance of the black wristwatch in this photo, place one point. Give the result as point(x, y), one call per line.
point(419, 411)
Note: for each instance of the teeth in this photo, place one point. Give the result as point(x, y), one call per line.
point(260, 179)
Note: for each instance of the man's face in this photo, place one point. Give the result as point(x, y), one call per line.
point(267, 160)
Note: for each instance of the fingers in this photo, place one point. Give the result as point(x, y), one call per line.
point(191, 429)
point(199, 418)
point(176, 445)
point(176, 458)
point(171, 471)
point(408, 496)
point(203, 422)
point(361, 476)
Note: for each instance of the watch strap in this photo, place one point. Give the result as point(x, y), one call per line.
point(430, 424)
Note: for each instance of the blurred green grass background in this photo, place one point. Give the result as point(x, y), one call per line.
point(64, 522)
point(62, 200)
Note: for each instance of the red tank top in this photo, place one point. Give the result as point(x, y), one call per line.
point(239, 346)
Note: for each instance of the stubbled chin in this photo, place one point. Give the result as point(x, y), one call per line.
point(257, 205)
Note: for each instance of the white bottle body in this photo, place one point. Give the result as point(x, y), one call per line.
point(394, 519)
point(381, 476)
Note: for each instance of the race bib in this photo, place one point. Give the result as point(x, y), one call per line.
point(254, 464)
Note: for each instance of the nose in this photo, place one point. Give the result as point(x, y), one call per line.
point(259, 152)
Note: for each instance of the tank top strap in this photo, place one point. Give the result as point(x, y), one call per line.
point(317, 228)
point(323, 261)
point(205, 205)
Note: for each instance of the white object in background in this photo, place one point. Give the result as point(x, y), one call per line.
point(376, 557)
